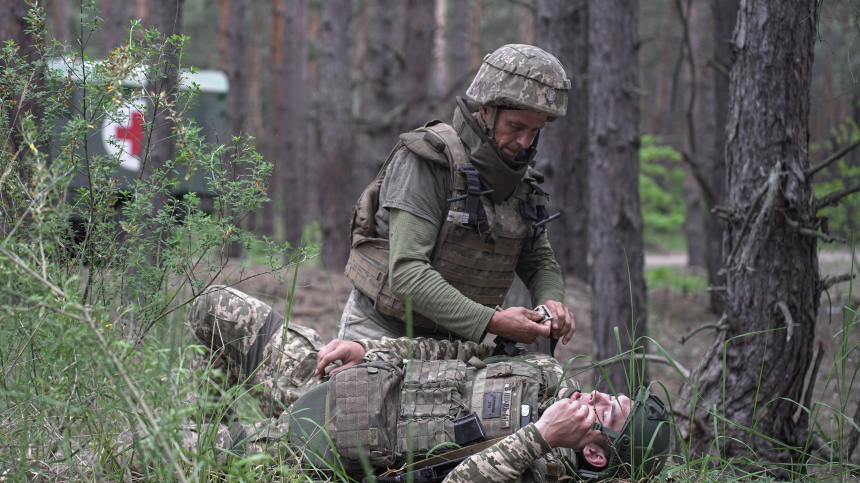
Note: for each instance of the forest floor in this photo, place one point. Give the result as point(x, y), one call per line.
point(672, 313)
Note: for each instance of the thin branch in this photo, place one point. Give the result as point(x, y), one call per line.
point(823, 236)
point(747, 220)
point(720, 325)
point(835, 197)
point(764, 214)
point(828, 281)
point(702, 179)
point(717, 66)
point(789, 322)
point(831, 159)
point(647, 357)
point(807, 398)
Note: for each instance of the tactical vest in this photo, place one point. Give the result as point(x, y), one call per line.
point(381, 410)
point(478, 260)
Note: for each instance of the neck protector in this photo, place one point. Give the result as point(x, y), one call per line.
point(497, 171)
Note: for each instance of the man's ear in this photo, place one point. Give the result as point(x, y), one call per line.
point(595, 455)
point(483, 112)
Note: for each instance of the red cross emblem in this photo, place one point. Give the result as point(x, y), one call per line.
point(132, 133)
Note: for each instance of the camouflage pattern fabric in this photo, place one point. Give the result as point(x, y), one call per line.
point(431, 349)
point(522, 76)
point(229, 322)
point(519, 455)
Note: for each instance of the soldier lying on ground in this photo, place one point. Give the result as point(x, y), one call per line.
point(374, 399)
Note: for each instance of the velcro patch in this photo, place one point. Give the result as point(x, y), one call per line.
point(492, 405)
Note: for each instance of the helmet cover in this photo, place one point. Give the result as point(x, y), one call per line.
point(523, 77)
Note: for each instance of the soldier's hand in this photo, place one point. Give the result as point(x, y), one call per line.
point(349, 353)
point(567, 423)
point(563, 325)
point(518, 324)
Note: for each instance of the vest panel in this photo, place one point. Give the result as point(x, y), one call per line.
point(481, 266)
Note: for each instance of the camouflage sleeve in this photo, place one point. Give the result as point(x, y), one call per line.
point(505, 461)
point(431, 349)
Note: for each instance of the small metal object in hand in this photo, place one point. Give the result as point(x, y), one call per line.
point(543, 310)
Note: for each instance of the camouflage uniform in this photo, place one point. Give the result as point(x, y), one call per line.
point(223, 314)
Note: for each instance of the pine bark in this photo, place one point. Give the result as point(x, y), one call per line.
point(562, 30)
point(382, 106)
point(113, 13)
point(60, 24)
point(232, 46)
point(288, 118)
point(767, 131)
point(460, 71)
point(615, 218)
point(725, 14)
point(335, 130)
point(700, 129)
point(417, 85)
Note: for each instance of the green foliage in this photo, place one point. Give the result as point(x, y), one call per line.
point(661, 190)
point(92, 311)
point(843, 217)
point(675, 280)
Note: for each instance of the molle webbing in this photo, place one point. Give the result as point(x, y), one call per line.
point(362, 409)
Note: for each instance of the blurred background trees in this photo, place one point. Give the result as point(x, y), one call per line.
point(638, 164)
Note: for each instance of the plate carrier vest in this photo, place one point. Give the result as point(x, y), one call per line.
point(478, 263)
point(381, 410)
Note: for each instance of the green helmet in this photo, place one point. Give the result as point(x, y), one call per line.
point(522, 77)
point(640, 448)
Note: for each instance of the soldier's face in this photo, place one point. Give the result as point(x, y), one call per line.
point(514, 131)
point(611, 411)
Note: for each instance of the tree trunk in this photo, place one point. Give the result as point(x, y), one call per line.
point(527, 21)
point(61, 20)
point(417, 50)
point(563, 31)
point(460, 34)
point(166, 17)
point(699, 117)
point(288, 117)
point(114, 16)
point(440, 51)
point(615, 218)
point(725, 14)
point(232, 46)
point(772, 269)
point(335, 186)
point(476, 54)
point(141, 12)
point(382, 106)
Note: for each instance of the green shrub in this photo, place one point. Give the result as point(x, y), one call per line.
point(661, 190)
point(91, 343)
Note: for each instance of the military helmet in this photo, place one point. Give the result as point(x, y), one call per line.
point(522, 77)
point(640, 448)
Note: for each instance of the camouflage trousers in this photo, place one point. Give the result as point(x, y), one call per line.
point(275, 359)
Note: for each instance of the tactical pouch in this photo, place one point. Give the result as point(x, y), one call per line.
point(363, 403)
point(432, 398)
point(499, 391)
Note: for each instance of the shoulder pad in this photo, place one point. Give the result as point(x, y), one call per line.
point(427, 145)
point(534, 175)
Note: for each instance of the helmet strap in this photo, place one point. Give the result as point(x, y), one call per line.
point(612, 434)
point(489, 126)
